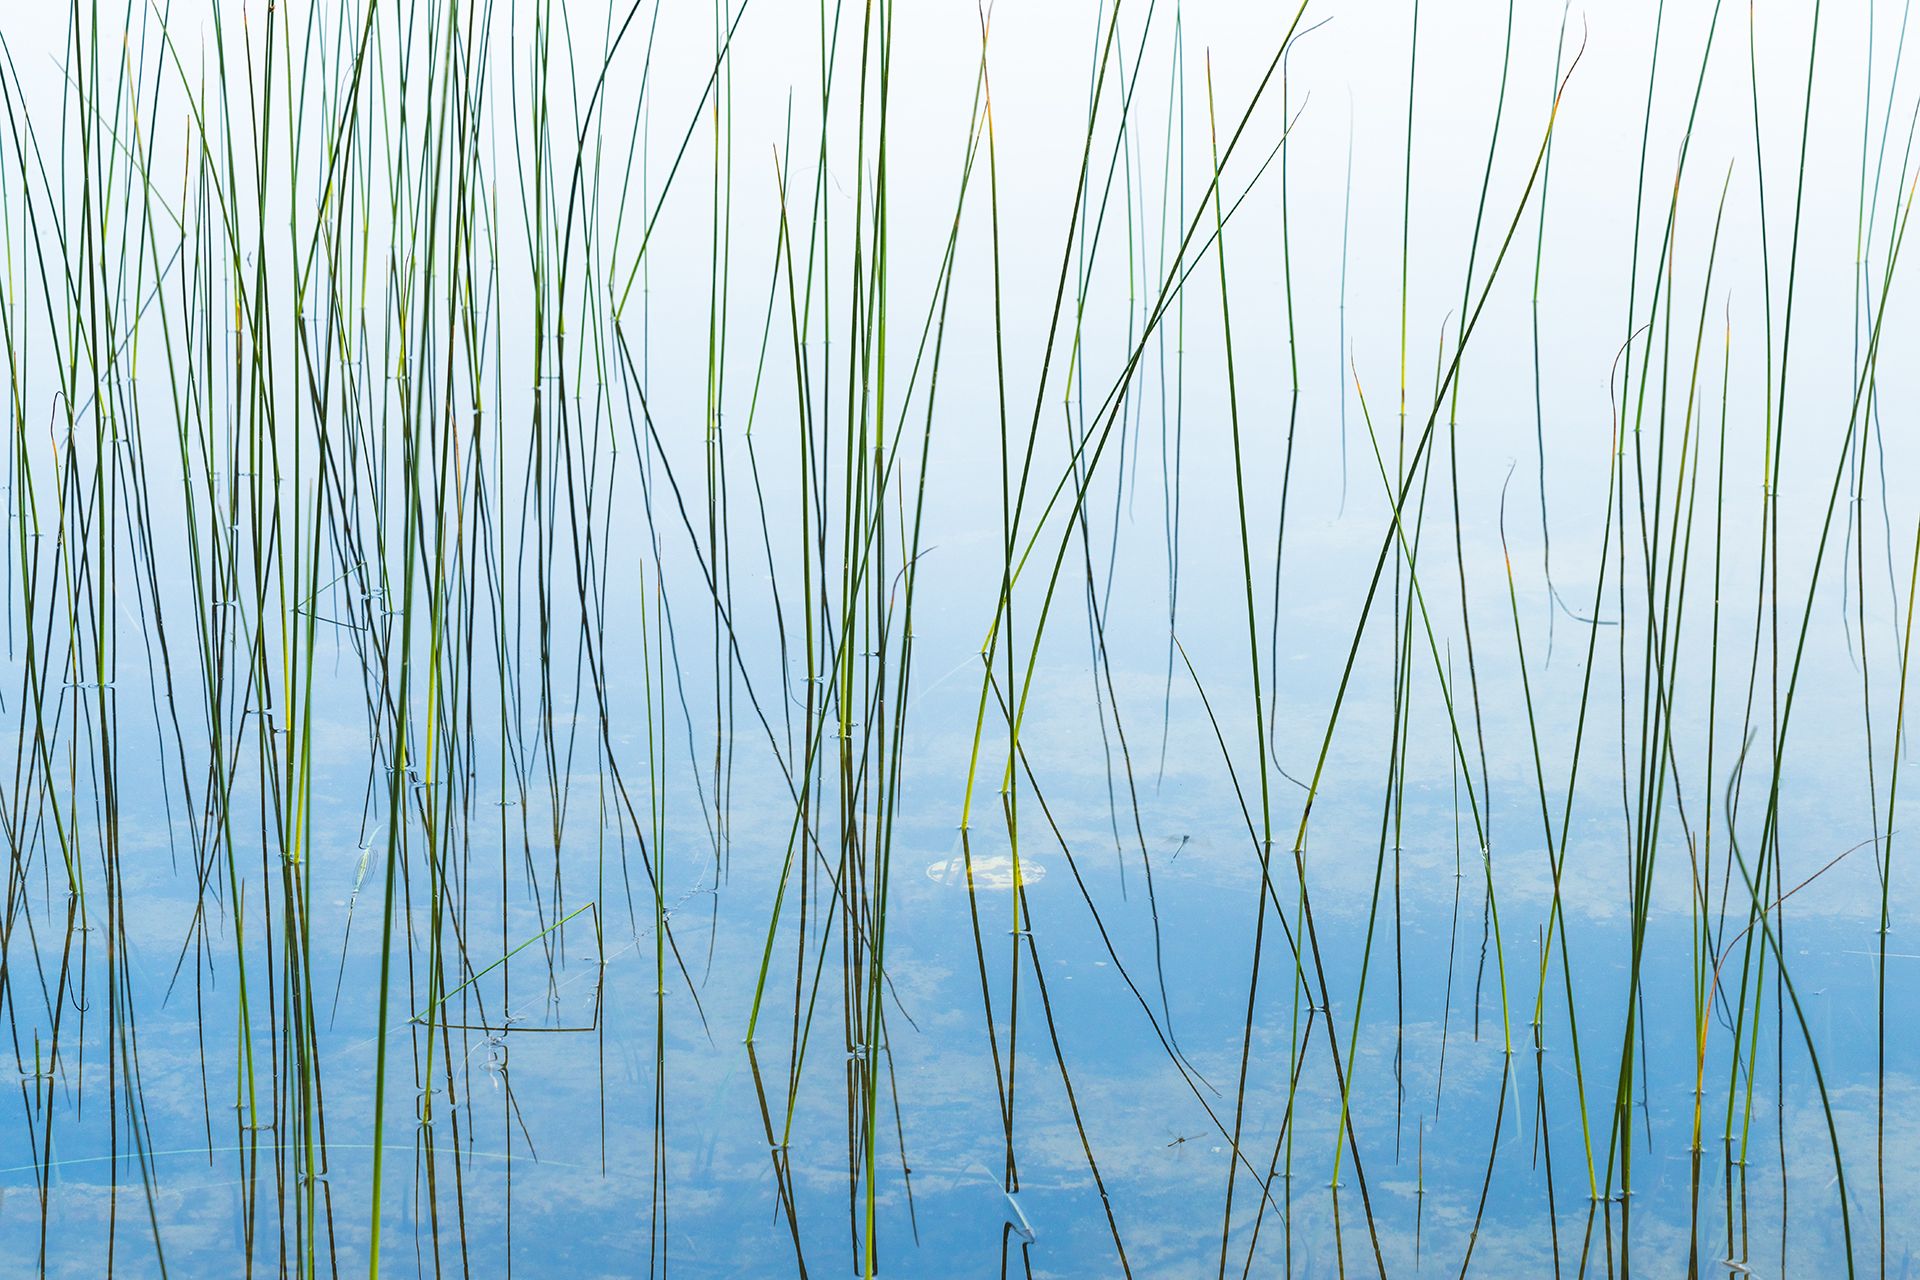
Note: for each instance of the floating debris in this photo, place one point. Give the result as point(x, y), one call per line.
point(995, 871)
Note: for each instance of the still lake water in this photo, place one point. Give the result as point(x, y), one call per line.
point(638, 717)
